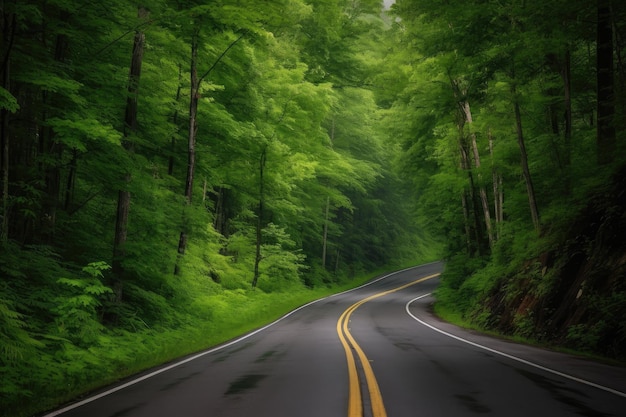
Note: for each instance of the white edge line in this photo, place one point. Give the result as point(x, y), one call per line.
point(506, 355)
point(215, 349)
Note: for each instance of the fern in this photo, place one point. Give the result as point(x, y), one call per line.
point(15, 342)
point(94, 269)
point(77, 309)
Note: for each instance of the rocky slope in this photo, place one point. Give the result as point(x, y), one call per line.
point(573, 295)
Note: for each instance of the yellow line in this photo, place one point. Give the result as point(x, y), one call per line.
point(355, 403)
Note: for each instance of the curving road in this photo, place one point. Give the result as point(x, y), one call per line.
point(375, 352)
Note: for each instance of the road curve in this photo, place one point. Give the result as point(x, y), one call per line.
point(300, 366)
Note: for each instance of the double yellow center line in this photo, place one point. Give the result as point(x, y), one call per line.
point(355, 402)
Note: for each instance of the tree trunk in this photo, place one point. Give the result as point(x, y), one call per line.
point(486, 212)
point(567, 138)
point(466, 223)
point(170, 165)
point(534, 212)
point(121, 233)
point(194, 93)
point(205, 185)
point(620, 70)
point(130, 117)
point(325, 237)
point(196, 82)
point(567, 101)
point(220, 214)
point(498, 195)
point(478, 233)
point(54, 150)
point(261, 214)
point(8, 36)
point(130, 126)
point(4, 231)
point(463, 118)
point(606, 139)
point(71, 181)
point(469, 207)
point(193, 121)
point(482, 191)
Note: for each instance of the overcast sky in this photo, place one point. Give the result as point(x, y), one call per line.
point(388, 3)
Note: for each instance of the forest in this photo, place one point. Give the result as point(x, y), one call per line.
point(177, 172)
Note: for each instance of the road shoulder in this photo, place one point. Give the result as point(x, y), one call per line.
point(601, 375)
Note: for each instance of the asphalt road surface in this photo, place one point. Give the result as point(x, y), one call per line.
point(375, 351)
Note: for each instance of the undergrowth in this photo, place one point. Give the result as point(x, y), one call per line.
point(85, 354)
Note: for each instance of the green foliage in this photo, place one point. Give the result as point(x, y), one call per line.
point(7, 101)
point(282, 264)
point(585, 336)
point(15, 341)
point(290, 143)
point(77, 309)
point(516, 80)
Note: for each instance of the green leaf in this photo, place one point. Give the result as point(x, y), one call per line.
point(78, 131)
point(8, 101)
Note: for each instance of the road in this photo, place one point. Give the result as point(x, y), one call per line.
point(375, 351)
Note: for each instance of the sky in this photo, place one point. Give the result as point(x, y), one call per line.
point(388, 3)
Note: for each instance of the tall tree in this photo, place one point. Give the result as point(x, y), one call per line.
point(606, 139)
point(530, 189)
point(195, 88)
point(9, 104)
point(130, 127)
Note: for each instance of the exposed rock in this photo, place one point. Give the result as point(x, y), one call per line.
point(575, 294)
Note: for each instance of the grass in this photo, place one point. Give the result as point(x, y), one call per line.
point(456, 318)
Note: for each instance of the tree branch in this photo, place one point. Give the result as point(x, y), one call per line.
point(217, 61)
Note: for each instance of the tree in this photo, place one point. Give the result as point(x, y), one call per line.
point(530, 189)
point(195, 88)
point(130, 127)
point(9, 104)
point(605, 83)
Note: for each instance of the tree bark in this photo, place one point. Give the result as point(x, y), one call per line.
point(4, 231)
point(466, 223)
point(464, 118)
point(567, 138)
point(498, 195)
point(567, 101)
point(170, 165)
point(606, 139)
point(49, 146)
point(325, 237)
point(121, 234)
point(470, 220)
point(469, 207)
point(530, 190)
point(220, 199)
point(196, 82)
point(194, 92)
point(71, 181)
point(482, 191)
point(478, 232)
point(8, 36)
point(130, 126)
point(260, 215)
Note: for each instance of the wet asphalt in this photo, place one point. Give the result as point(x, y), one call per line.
point(297, 368)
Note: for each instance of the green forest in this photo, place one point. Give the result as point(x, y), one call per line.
point(175, 173)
